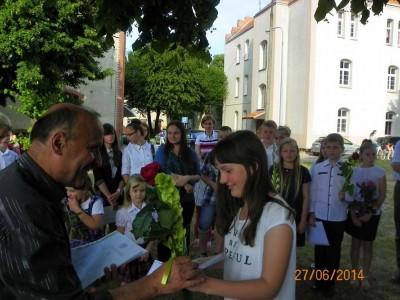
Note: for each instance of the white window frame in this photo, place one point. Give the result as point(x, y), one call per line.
point(238, 53)
point(389, 32)
point(353, 26)
point(237, 82)
point(340, 24)
point(246, 50)
point(342, 120)
point(345, 70)
point(261, 96)
point(392, 76)
point(236, 121)
point(398, 34)
point(245, 85)
point(389, 122)
point(262, 63)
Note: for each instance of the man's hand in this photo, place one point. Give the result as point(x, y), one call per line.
point(184, 274)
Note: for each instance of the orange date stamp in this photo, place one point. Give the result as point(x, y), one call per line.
point(327, 275)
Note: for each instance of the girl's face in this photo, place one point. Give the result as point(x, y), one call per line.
point(289, 153)
point(109, 139)
point(4, 141)
point(145, 131)
point(174, 135)
point(234, 176)
point(137, 193)
point(368, 157)
point(208, 126)
point(79, 195)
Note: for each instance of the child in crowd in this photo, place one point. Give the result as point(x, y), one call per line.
point(134, 201)
point(209, 175)
point(206, 141)
point(292, 181)
point(267, 132)
point(369, 185)
point(322, 153)
point(283, 132)
point(257, 225)
point(204, 144)
point(328, 208)
point(84, 214)
point(7, 156)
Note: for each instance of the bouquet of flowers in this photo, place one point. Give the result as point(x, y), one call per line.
point(161, 219)
point(365, 207)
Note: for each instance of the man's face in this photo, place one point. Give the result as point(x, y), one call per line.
point(81, 150)
point(266, 135)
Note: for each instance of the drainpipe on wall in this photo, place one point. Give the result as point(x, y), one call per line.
point(119, 107)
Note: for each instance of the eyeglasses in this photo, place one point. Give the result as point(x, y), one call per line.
point(130, 133)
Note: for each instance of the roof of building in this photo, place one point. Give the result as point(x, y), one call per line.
point(242, 26)
point(394, 2)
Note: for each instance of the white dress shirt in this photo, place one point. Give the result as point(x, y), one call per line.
point(124, 218)
point(327, 182)
point(135, 157)
point(7, 158)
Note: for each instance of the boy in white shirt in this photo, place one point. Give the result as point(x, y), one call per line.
point(328, 207)
point(267, 133)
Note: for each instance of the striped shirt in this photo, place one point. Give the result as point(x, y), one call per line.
point(207, 142)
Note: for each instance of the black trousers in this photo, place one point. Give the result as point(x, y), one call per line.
point(396, 199)
point(328, 257)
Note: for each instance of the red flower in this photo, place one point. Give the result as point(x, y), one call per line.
point(149, 172)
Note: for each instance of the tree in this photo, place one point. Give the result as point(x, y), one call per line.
point(49, 44)
point(356, 6)
point(173, 81)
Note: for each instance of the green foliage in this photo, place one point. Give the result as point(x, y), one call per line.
point(46, 45)
point(174, 81)
point(361, 7)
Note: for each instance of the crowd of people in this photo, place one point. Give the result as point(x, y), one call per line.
point(246, 192)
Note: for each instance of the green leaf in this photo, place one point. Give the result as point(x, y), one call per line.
point(142, 222)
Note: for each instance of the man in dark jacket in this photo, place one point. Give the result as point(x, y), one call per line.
point(35, 258)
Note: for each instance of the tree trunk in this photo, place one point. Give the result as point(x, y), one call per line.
point(157, 126)
point(151, 131)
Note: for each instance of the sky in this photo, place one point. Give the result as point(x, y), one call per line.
point(229, 12)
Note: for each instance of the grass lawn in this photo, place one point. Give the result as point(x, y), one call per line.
point(383, 263)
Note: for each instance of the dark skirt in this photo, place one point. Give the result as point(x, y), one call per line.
point(367, 232)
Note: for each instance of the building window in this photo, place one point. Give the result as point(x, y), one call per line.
point(262, 90)
point(238, 54)
point(353, 26)
point(343, 120)
point(345, 73)
point(389, 32)
point(263, 56)
point(388, 122)
point(246, 50)
point(392, 79)
point(236, 121)
point(245, 84)
point(237, 82)
point(398, 35)
point(340, 24)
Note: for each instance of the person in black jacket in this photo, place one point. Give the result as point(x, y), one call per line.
point(35, 255)
point(107, 174)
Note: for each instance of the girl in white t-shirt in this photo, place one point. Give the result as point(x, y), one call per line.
point(84, 214)
point(362, 223)
point(134, 202)
point(258, 227)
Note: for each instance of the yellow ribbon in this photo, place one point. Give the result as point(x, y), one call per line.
point(167, 271)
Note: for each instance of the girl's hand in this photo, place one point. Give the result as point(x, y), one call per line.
point(180, 180)
point(188, 188)
point(145, 257)
point(311, 219)
point(302, 227)
point(73, 205)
